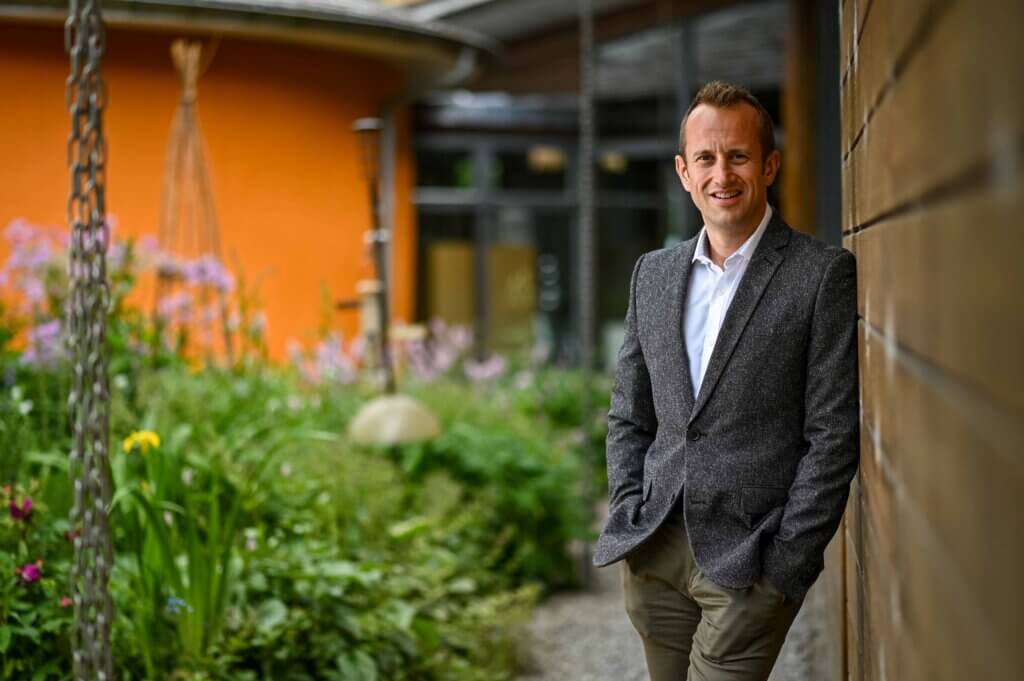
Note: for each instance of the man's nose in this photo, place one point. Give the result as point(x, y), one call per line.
point(722, 171)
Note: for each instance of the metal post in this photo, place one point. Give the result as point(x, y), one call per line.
point(586, 249)
point(686, 76)
point(369, 130)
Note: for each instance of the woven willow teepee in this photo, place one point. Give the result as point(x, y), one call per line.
point(189, 231)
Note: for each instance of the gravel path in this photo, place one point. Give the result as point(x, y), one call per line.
point(586, 636)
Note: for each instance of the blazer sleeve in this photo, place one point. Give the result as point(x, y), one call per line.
point(818, 494)
point(631, 420)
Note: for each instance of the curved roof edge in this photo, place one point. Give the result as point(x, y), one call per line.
point(356, 25)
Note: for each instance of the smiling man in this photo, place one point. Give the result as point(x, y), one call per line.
point(734, 427)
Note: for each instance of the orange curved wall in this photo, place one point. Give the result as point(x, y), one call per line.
point(285, 165)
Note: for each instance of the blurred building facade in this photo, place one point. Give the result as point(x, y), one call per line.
point(276, 104)
point(497, 161)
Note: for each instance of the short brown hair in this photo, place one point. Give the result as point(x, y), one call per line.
point(723, 95)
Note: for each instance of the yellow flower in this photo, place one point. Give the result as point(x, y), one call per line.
point(143, 439)
point(146, 489)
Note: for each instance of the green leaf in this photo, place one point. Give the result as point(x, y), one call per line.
point(270, 615)
point(5, 638)
point(462, 585)
point(410, 527)
point(45, 671)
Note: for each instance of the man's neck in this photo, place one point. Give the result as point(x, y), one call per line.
point(722, 242)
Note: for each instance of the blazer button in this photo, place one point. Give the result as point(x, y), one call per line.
point(694, 435)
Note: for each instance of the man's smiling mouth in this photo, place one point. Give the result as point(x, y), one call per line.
point(726, 195)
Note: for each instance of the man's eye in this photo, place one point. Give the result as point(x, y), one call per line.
point(740, 157)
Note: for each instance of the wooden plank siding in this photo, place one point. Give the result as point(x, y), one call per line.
point(933, 193)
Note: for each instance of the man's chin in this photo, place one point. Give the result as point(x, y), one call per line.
point(738, 219)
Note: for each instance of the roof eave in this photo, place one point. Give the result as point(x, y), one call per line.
point(429, 48)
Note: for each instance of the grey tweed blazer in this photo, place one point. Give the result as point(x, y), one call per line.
point(761, 461)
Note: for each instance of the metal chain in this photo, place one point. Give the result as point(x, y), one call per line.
point(87, 309)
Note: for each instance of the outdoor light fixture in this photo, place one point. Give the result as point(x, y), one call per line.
point(545, 159)
point(614, 162)
point(368, 131)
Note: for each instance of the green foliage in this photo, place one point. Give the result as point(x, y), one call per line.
point(256, 542)
point(35, 623)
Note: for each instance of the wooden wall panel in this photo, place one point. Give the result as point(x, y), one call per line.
point(854, 586)
point(945, 280)
point(889, 33)
point(956, 110)
point(933, 191)
point(958, 472)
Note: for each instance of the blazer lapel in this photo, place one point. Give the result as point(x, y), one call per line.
point(767, 258)
point(676, 299)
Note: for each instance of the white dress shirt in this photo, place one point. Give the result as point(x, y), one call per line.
point(709, 295)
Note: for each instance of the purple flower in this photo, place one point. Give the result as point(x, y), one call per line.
point(421, 363)
point(23, 512)
point(460, 338)
point(487, 370)
point(34, 290)
point(45, 344)
point(175, 305)
point(357, 348)
point(207, 270)
point(30, 572)
point(116, 256)
point(148, 252)
point(18, 232)
point(331, 361)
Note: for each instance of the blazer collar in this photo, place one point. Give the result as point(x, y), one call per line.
point(765, 261)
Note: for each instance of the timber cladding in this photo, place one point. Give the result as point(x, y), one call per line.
point(929, 562)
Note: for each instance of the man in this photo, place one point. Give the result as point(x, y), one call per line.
point(733, 429)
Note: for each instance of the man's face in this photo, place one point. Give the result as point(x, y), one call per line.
point(723, 170)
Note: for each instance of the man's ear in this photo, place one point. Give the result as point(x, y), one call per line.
point(772, 165)
point(682, 172)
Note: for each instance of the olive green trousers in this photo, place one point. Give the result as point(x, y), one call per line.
point(693, 629)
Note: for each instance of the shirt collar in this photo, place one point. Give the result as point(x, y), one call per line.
point(703, 251)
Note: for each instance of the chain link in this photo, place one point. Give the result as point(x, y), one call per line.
point(88, 305)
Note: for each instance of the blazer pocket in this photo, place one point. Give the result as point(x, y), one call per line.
point(643, 500)
point(756, 503)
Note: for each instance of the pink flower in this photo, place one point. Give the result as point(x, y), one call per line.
point(65, 602)
point(30, 572)
point(23, 512)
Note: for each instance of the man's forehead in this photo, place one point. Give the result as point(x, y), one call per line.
point(738, 124)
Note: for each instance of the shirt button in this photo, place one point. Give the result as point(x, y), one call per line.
point(695, 435)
